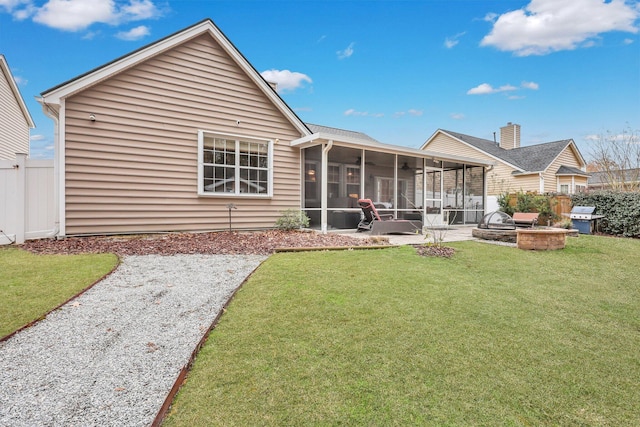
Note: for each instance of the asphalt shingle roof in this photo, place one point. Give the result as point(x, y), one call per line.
point(532, 158)
point(340, 132)
point(568, 170)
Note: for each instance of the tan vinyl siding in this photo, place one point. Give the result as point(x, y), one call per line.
point(566, 158)
point(14, 128)
point(499, 179)
point(447, 145)
point(528, 182)
point(135, 168)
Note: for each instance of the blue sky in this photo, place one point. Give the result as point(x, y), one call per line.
point(396, 70)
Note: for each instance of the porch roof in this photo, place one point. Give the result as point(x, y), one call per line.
point(358, 140)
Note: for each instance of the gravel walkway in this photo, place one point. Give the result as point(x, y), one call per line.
point(110, 357)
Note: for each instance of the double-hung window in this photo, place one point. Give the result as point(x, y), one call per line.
point(231, 165)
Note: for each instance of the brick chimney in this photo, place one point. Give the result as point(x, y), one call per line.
point(510, 136)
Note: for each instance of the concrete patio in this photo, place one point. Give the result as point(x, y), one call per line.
point(453, 233)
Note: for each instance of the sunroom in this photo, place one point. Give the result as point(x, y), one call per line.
point(341, 167)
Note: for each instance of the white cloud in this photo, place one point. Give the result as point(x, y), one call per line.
point(410, 112)
point(286, 80)
point(627, 41)
point(20, 81)
point(9, 5)
point(457, 116)
point(90, 35)
point(77, 15)
point(530, 85)
point(346, 53)
point(139, 9)
point(134, 34)
point(546, 26)
point(37, 137)
point(352, 112)
point(490, 17)
point(486, 89)
point(450, 42)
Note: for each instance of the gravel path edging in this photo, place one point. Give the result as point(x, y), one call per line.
point(44, 316)
point(182, 376)
point(125, 341)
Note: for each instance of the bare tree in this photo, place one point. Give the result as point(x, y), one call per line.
point(617, 158)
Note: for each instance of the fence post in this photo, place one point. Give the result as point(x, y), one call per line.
point(20, 201)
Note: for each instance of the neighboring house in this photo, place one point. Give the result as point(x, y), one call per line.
point(15, 120)
point(184, 133)
point(617, 180)
point(544, 168)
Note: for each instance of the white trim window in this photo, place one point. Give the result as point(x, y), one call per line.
point(233, 165)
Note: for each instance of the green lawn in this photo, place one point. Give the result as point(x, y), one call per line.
point(493, 336)
point(31, 285)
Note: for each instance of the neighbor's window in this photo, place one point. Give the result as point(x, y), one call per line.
point(233, 165)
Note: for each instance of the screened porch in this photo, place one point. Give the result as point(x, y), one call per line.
point(410, 184)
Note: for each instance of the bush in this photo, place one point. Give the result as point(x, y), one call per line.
point(621, 211)
point(292, 219)
point(529, 202)
point(504, 203)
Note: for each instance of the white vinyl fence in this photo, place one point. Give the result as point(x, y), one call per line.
point(27, 199)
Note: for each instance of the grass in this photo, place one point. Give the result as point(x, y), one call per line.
point(493, 336)
point(31, 285)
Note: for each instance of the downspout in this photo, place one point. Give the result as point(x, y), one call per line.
point(50, 112)
point(324, 187)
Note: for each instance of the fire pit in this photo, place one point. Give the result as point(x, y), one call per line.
point(496, 226)
point(542, 239)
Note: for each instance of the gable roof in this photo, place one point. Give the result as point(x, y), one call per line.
point(568, 170)
point(54, 95)
point(528, 159)
point(341, 133)
point(4, 69)
point(361, 140)
point(602, 177)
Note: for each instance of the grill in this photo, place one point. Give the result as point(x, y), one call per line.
point(584, 219)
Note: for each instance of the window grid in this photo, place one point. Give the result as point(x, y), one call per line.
point(234, 166)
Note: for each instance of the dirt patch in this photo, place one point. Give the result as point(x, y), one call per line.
point(224, 242)
point(434, 250)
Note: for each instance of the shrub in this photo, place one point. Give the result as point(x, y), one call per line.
point(503, 201)
point(292, 219)
point(529, 202)
point(621, 211)
point(564, 223)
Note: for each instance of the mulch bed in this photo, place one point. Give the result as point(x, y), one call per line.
point(434, 251)
point(224, 242)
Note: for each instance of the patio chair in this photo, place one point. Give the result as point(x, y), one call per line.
point(384, 223)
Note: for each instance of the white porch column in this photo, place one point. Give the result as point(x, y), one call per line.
point(324, 186)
